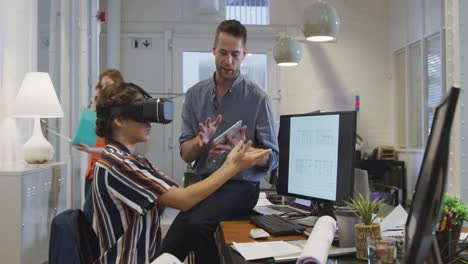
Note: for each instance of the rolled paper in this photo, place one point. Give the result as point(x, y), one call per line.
point(318, 245)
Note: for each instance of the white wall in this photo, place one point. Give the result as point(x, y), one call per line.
point(18, 21)
point(331, 74)
point(411, 21)
point(328, 77)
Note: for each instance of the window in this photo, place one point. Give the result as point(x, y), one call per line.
point(434, 91)
point(400, 79)
point(199, 66)
point(249, 12)
point(419, 89)
point(414, 93)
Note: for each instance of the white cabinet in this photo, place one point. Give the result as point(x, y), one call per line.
point(31, 195)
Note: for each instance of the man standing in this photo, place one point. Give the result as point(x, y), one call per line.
point(226, 98)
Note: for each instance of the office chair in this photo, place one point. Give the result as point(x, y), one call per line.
point(387, 193)
point(190, 177)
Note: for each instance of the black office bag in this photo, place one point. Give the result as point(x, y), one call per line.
point(72, 239)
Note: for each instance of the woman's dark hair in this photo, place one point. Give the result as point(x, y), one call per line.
point(117, 94)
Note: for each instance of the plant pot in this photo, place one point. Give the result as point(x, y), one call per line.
point(448, 241)
point(362, 233)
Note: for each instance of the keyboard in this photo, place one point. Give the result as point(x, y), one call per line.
point(276, 225)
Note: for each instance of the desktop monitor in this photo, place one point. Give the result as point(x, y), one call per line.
point(316, 159)
point(430, 187)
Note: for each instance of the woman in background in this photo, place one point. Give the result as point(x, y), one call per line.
point(129, 192)
point(106, 78)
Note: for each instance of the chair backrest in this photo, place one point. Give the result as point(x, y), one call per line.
point(72, 239)
point(361, 182)
point(387, 193)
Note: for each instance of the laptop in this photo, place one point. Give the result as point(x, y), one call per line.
point(265, 207)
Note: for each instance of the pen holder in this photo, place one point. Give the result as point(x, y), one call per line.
point(448, 241)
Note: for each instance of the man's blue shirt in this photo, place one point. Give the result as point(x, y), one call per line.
point(244, 101)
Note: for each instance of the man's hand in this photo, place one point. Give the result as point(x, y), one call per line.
point(192, 149)
point(231, 142)
point(207, 130)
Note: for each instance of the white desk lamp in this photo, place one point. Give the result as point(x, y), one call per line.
point(37, 98)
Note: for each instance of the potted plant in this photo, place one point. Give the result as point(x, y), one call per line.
point(454, 212)
point(367, 228)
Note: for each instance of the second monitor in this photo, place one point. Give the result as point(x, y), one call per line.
point(317, 155)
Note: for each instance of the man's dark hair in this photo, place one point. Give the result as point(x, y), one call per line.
point(233, 28)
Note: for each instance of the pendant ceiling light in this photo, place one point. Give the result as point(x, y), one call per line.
point(287, 52)
point(320, 22)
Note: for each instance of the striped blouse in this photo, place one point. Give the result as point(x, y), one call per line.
point(125, 192)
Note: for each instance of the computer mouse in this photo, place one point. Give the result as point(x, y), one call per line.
point(258, 233)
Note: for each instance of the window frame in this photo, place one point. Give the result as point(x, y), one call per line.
point(242, 17)
point(423, 131)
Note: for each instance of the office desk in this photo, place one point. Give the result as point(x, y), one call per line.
point(238, 231)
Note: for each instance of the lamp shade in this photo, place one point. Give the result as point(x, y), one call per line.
point(37, 97)
point(320, 22)
point(287, 52)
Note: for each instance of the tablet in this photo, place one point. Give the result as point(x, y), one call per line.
point(233, 131)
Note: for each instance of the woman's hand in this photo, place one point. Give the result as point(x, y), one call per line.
point(88, 149)
point(94, 102)
point(83, 147)
point(242, 157)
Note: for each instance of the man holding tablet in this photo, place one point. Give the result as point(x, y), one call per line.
point(226, 98)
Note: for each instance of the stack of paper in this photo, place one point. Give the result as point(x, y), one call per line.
point(260, 250)
point(463, 236)
point(394, 223)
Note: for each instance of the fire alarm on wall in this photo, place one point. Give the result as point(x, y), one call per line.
point(101, 16)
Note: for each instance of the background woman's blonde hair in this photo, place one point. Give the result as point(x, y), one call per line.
point(114, 74)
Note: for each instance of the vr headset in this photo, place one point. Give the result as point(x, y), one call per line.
point(145, 110)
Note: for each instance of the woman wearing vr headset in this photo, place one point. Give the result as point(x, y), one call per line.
point(106, 78)
point(129, 192)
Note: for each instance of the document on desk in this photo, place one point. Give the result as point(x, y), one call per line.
point(334, 251)
point(395, 220)
point(463, 236)
point(260, 250)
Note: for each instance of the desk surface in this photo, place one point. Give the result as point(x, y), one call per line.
point(238, 231)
